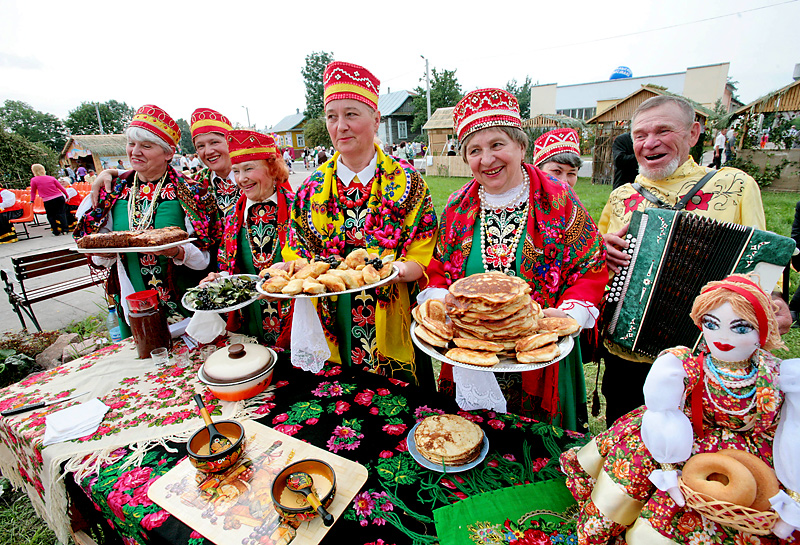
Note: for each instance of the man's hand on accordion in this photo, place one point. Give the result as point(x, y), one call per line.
point(616, 258)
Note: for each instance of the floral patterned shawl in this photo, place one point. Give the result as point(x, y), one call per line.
point(400, 217)
point(563, 255)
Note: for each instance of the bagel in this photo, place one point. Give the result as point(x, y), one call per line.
point(720, 477)
point(766, 481)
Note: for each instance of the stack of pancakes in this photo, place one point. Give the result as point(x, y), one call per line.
point(448, 439)
point(494, 308)
point(541, 347)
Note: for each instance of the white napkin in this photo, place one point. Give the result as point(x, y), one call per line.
point(205, 327)
point(74, 422)
point(478, 390)
point(309, 348)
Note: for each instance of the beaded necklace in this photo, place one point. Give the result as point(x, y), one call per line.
point(348, 203)
point(145, 216)
point(512, 248)
point(732, 380)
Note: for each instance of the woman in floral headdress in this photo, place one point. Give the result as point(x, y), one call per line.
point(558, 154)
point(732, 395)
point(362, 198)
point(513, 218)
point(255, 231)
point(154, 195)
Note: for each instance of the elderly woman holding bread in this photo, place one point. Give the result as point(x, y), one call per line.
point(363, 200)
point(255, 231)
point(514, 219)
point(154, 195)
point(725, 417)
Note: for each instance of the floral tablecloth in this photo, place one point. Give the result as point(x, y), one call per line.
point(363, 417)
point(148, 406)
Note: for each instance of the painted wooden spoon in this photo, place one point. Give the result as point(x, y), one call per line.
point(216, 441)
point(301, 483)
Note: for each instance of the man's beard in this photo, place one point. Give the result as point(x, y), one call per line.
point(660, 173)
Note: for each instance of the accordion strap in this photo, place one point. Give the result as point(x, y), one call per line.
point(681, 204)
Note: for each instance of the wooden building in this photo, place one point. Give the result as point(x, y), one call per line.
point(616, 120)
point(94, 151)
point(290, 133)
point(397, 117)
point(786, 99)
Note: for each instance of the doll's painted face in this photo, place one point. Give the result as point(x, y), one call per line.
point(729, 337)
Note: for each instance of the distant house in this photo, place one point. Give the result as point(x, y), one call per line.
point(289, 131)
point(94, 151)
point(397, 115)
point(440, 131)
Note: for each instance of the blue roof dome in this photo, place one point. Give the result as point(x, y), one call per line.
point(621, 72)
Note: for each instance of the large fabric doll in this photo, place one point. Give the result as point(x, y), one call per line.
point(732, 395)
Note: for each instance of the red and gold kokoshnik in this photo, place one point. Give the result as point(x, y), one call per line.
point(485, 108)
point(246, 145)
point(345, 80)
point(554, 142)
point(152, 118)
point(207, 120)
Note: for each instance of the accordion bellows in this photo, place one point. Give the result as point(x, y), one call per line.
point(673, 255)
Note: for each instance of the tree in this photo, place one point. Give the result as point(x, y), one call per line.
point(312, 75)
point(33, 125)
point(523, 94)
point(445, 92)
point(316, 134)
point(186, 145)
point(17, 154)
point(116, 116)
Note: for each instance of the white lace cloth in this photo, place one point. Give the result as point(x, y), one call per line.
point(309, 348)
point(478, 390)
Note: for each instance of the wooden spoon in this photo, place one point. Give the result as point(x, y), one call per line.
point(216, 441)
point(301, 483)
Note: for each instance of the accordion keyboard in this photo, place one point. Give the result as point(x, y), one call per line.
point(618, 283)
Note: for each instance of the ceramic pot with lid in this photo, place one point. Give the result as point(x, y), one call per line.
point(238, 371)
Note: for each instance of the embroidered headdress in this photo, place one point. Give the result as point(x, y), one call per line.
point(157, 121)
point(246, 145)
point(554, 142)
point(207, 120)
point(345, 80)
point(485, 108)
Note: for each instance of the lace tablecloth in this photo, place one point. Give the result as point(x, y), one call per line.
point(148, 407)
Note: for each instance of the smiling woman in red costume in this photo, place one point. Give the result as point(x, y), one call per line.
point(515, 219)
point(255, 231)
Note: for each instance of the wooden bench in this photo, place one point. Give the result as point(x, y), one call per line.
point(42, 264)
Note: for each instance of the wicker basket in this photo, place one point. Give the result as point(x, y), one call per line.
point(729, 514)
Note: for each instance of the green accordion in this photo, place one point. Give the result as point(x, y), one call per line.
point(673, 255)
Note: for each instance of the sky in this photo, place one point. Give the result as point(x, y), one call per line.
point(245, 56)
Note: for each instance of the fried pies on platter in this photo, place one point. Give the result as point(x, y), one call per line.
point(324, 276)
point(448, 439)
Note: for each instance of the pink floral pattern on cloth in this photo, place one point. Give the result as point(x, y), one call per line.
point(628, 462)
point(147, 405)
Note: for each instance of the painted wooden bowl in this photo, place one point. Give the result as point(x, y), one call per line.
point(292, 505)
point(202, 458)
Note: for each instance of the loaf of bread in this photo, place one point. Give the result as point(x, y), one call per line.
point(133, 239)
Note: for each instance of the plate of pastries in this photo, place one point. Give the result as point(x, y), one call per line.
point(324, 277)
point(150, 240)
point(489, 321)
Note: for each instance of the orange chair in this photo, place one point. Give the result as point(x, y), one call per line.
point(38, 208)
point(27, 216)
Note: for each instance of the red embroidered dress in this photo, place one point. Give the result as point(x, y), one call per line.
point(252, 241)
